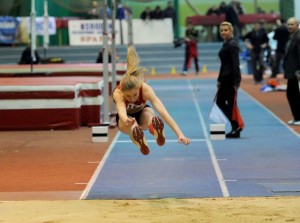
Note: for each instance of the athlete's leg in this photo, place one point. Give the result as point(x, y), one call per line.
point(149, 120)
point(136, 134)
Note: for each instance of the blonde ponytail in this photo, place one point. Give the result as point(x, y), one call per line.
point(134, 76)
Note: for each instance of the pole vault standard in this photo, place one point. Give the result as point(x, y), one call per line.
point(46, 27)
point(33, 34)
point(105, 66)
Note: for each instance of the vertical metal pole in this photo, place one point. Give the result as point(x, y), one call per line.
point(121, 29)
point(46, 27)
point(113, 45)
point(105, 65)
point(33, 33)
point(130, 31)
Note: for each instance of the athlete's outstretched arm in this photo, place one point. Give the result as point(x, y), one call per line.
point(150, 95)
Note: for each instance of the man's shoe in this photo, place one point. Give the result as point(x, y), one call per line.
point(259, 82)
point(158, 126)
point(296, 123)
point(291, 122)
point(234, 133)
point(184, 73)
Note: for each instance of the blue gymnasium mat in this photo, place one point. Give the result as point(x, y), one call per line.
point(264, 159)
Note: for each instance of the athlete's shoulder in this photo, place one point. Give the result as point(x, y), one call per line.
point(117, 94)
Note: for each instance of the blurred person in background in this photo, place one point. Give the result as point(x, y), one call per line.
point(157, 13)
point(146, 14)
point(281, 35)
point(170, 12)
point(123, 11)
point(94, 11)
point(100, 56)
point(191, 49)
point(26, 56)
point(232, 16)
point(256, 42)
point(108, 12)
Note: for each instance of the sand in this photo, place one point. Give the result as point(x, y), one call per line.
point(256, 209)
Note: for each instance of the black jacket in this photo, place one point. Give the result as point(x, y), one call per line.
point(257, 38)
point(230, 72)
point(281, 34)
point(231, 15)
point(292, 56)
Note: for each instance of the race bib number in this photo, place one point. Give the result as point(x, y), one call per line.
point(134, 106)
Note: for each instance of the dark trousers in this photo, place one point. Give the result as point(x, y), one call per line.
point(276, 64)
point(293, 96)
point(225, 100)
point(187, 60)
point(257, 63)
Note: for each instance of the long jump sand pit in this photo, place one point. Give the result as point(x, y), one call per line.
point(245, 209)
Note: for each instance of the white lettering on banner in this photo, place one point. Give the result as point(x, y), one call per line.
point(89, 32)
point(40, 25)
point(7, 25)
point(92, 39)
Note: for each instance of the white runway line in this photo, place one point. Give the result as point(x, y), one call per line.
point(99, 168)
point(167, 140)
point(215, 163)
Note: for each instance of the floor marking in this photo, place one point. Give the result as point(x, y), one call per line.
point(271, 113)
point(81, 183)
point(93, 162)
point(99, 168)
point(209, 145)
point(230, 180)
point(168, 140)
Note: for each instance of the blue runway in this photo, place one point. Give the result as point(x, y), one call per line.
point(264, 162)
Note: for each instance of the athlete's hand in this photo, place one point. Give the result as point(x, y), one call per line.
point(129, 121)
point(183, 140)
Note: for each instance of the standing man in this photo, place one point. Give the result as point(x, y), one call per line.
point(292, 70)
point(256, 41)
point(281, 34)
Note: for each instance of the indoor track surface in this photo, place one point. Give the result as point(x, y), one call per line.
point(263, 162)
